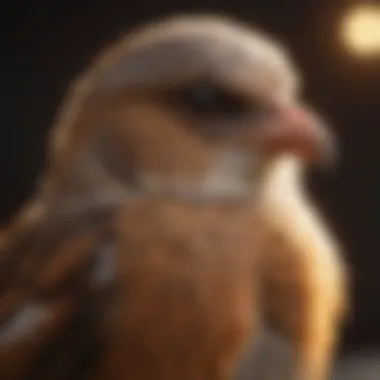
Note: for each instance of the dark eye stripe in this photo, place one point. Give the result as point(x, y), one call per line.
point(209, 100)
point(206, 99)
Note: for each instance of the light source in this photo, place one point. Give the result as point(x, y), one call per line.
point(360, 30)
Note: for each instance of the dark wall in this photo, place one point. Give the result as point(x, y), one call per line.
point(48, 42)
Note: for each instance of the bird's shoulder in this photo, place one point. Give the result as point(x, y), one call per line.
point(52, 284)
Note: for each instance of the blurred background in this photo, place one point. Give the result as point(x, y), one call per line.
point(336, 44)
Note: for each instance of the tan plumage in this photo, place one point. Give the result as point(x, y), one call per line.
point(306, 276)
point(144, 254)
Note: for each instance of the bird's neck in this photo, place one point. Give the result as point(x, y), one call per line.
point(91, 183)
point(80, 196)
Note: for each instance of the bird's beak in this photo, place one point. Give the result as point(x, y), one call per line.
point(295, 129)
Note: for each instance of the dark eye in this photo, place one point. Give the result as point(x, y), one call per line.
point(210, 100)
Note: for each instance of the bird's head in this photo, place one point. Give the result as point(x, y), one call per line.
point(192, 106)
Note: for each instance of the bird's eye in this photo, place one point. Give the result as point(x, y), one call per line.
point(210, 100)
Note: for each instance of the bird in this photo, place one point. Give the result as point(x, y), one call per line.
point(143, 252)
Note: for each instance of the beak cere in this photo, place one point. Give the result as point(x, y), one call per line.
point(298, 131)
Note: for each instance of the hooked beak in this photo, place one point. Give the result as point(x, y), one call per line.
point(299, 131)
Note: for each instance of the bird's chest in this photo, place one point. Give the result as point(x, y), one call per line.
point(186, 285)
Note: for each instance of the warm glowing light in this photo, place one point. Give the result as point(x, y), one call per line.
point(361, 30)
